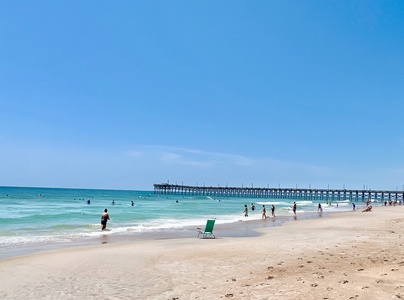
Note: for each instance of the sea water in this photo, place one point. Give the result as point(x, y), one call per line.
point(30, 217)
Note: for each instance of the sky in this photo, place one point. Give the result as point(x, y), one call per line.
point(126, 94)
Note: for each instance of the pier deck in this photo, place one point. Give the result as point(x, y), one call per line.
point(280, 193)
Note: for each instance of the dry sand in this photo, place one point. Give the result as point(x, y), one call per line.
point(351, 255)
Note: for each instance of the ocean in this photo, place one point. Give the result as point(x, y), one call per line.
point(35, 218)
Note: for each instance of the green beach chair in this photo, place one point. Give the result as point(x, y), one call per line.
point(208, 232)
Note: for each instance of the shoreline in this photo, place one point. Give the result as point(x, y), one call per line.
point(243, 228)
point(351, 255)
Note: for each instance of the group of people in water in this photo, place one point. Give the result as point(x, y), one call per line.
point(264, 210)
point(294, 207)
point(112, 203)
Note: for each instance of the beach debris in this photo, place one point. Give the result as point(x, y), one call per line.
point(229, 295)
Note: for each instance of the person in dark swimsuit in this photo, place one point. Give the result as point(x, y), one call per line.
point(104, 219)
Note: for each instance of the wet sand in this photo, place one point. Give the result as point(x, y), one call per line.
point(350, 255)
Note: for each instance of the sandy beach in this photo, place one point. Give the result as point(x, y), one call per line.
point(351, 255)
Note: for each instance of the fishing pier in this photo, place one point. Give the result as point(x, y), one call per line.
point(280, 193)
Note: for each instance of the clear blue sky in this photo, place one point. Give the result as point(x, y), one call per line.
point(125, 94)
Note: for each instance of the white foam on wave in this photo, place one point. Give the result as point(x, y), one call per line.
point(304, 202)
point(272, 203)
point(13, 241)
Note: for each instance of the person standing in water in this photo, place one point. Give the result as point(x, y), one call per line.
point(245, 210)
point(104, 219)
point(273, 210)
point(319, 209)
point(294, 208)
point(264, 212)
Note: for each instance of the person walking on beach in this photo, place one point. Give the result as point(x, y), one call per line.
point(294, 208)
point(264, 212)
point(353, 206)
point(245, 210)
point(273, 210)
point(104, 219)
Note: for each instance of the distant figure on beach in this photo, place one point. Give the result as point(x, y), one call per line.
point(273, 210)
point(294, 208)
point(245, 210)
point(132, 203)
point(353, 206)
point(252, 206)
point(113, 202)
point(264, 212)
point(320, 209)
point(104, 219)
point(368, 208)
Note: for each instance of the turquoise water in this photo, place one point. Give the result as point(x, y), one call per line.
point(37, 216)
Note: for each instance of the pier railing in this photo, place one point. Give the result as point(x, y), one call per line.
point(280, 193)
